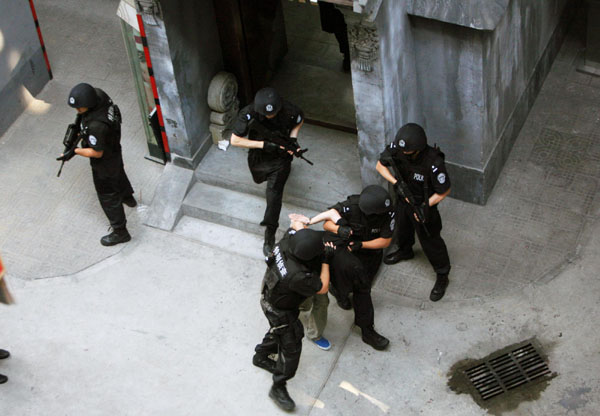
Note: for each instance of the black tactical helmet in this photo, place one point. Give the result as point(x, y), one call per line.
point(267, 102)
point(83, 95)
point(374, 200)
point(307, 244)
point(411, 137)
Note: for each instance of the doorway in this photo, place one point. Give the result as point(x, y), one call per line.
point(311, 74)
point(281, 44)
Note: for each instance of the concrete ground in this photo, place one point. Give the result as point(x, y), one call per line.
point(167, 323)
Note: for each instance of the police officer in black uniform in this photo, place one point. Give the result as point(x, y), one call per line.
point(365, 223)
point(100, 127)
point(268, 114)
point(423, 170)
point(298, 267)
point(332, 21)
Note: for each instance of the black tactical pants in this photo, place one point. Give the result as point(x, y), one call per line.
point(433, 244)
point(354, 272)
point(111, 190)
point(332, 21)
point(275, 172)
point(284, 338)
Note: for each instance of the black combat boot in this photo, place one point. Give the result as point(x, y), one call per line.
point(269, 240)
point(396, 256)
point(117, 236)
point(439, 289)
point(375, 340)
point(280, 396)
point(4, 354)
point(129, 201)
point(3, 379)
point(264, 362)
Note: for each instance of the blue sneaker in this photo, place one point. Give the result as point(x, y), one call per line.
point(322, 343)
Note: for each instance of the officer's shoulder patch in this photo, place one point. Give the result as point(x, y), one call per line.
point(392, 224)
point(248, 116)
point(299, 119)
point(441, 177)
point(92, 139)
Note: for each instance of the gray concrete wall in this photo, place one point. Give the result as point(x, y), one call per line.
point(195, 52)
point(401, 100)
point(22, 63)
point(468, 72)
point(451, 87)
point(511, 53)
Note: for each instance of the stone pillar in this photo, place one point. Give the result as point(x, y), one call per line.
point(367, 85)
point(184, 46)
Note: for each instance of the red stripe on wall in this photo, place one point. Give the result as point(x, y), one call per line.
point(153, 83)
point(39, 32)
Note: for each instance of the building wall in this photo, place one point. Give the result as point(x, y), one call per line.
point(468, 72)
point(195, 53)
point(22, 63)
point(451, 87)
point(402, 103)
point(186, 54)
point(511, 53)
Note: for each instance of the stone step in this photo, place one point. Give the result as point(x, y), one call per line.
point(258, 190)
point(219, 236)
point(234, 209)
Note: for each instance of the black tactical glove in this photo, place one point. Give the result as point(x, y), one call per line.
point(296, 146)
point(420, 213)
point(344, 231)
point(354, 246)
point(68, 155)
point(328, 253)
point(270, 147)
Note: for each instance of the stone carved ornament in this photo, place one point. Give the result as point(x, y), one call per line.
point(365, 42)
point(222, 100)
point(222, 92)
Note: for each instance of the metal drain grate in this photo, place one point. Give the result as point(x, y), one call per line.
point(510, 370)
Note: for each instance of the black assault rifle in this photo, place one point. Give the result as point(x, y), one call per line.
point(70, 141)
point(404, 192)
point(279, 139)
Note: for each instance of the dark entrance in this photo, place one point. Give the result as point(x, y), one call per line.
point(280, 43)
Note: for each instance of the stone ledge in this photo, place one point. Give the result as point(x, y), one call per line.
point(476, 14)
point(165, 209)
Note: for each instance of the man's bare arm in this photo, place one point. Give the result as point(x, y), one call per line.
point(89, 152)
point(324, 279)
point(330, 215)
point(437, 198)
point(238, 141)
point(385, 172)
